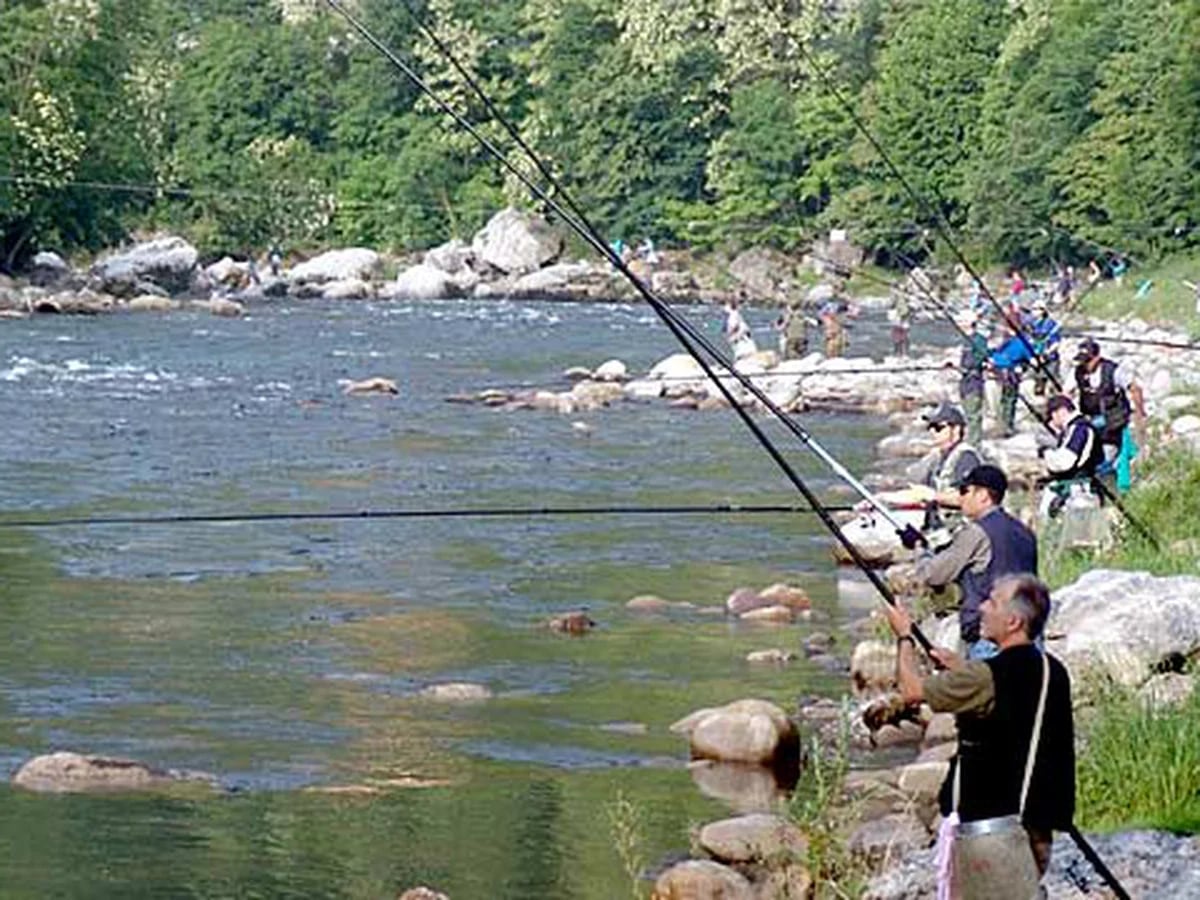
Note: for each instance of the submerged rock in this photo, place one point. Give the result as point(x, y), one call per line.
point(423, 893)
point(376, 385)
point(578, 622)
point(70, 773)
point(457, 692)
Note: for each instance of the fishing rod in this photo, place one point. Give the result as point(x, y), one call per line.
point(485, 512)
point(1072, 831)
point(1147, 342)
point(683, 331)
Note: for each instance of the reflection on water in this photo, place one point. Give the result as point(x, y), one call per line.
point(284, 656)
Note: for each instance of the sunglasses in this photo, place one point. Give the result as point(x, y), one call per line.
point(965, 489)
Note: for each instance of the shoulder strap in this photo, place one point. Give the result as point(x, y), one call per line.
point(1035, 738)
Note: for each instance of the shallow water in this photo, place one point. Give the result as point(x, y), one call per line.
point(287, 657)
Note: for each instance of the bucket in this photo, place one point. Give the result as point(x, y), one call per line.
point(991, 859)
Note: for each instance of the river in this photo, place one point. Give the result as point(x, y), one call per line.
point(286, 657)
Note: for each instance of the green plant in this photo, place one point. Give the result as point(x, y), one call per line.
point(1139, 764)
point(820, 809)
point(625, 824)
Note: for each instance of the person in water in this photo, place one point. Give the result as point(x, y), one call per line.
point(737, 332)
point(1016, 751)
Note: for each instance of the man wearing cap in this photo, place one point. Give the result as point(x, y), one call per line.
point(970, 385)
point(1008, 361)
point(1045, 334)
point(1075, 457)
point(1109, 396)
point(951, 458)
point(991, 545)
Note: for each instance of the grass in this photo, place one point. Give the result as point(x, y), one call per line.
point(626, 826)
point(1166, 499)
point(1169, 301)
point(1139, 765)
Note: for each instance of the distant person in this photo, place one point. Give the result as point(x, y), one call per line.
point(991, 545)
point(737, 332)
point(1095, 273)
point(1045, 334)
point(971, 382)
point(1064, 288)
point(900, 318)
point(274, 260)
point(1111, 397)
point(1195, 287)
point(1016, 285)
point(1008, 362)
point(1077, 455)
point(647, 252)
point(792, 325)
point(1118, 269)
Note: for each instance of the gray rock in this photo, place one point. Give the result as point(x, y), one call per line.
point(552, 280)
point(422, 282)
point(457, 692)
point(72, 773)
point(744, 788)
point(452, 257)
point(757, 837)
point(773, 656)
point(747, 731)
point(168, 262)
point(346, 289)
point(762, 270)
point(48, 269)
point(1125, 623)
point(338, 265)
point(889, 838)
point(516, 242)
point(701, 879)
point(423, 893)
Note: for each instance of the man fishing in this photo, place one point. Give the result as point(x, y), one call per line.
point(1008, 362)
point(1109, 394)
point(1045, 333)
point(992, 544)
point(1015, 766)
point(951, 459)
point(1076, 456)
point(971, 383)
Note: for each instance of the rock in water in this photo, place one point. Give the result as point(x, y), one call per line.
point(702, 879)
point(338, 265)
point(516, 243)
point(457, 692)
point(422, 282)
point(75, 773)
point(168, 262)
point(747, 731)
point(578, 622)
point(422, 893)
point(376, 385)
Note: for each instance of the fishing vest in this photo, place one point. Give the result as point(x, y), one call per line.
point(992, 749)
point(974, 355)
point(941, 478)
point(1108, 400)
point(1014, 552)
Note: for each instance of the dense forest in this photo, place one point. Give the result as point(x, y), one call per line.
point(1040, 129)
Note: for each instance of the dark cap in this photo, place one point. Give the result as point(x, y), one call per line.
point(986, 476)
point(1057, 402)
point(1088, 349)
point(946, 413)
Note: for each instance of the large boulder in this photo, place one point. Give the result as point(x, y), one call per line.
point(1127, 624)
point(757, 837)
point(452, 257)
point(552, 280)
point(516, 242)
point(746, 731)
point(422, 282)
point(762, 270)
point(743, 788)
point(48, 269)
point(168, 262)
point(338, 265)
point(72, 773)
point(702, 879)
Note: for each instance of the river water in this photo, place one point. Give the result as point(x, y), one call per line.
point(286, 658)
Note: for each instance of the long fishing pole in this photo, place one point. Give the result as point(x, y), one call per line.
point(688, 337)
point(484, 512)
point(1074, 832)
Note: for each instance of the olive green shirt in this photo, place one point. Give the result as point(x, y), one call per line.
point(969, 689)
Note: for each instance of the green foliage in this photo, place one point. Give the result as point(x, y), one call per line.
point(625, 821)
point(1139, 765)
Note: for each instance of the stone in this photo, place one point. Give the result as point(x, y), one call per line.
point(577, 622)
point(338, 265)
point(888, 838)
point(938, 752)
point(789, 882)
point(150, 303)
point(422, 282)
point(746, 731)
point(762, 270)
point(551, 281)
point(1185, 426)
point(613, 370)
point(457, 692)
point(423, 893)
point(48, 269)
point(516, 242)
point(74, 773)
point(227, 271)
point(588, 395)
point(1168, 689)
point(167, 261)
point(786, 595)
point(648, 603)
point(346, 289)
point(451, 257)
point(376, 385)
point(758, 837)
point(702, 879)
point(677, 367)
point(818, 642)
point(873, 666)
point(773, 656)
point(940, 729)
point(743, 600)
point(776, 613)
point(922, 779)
point(1127, 624)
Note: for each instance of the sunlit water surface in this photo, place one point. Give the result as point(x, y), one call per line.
point(287, 657)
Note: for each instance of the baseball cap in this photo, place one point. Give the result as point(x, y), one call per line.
point(986, 476)
point(1088, 349)
point(946, 413)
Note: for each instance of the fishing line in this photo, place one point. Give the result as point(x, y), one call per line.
point(679, 327)
point(467, 513)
